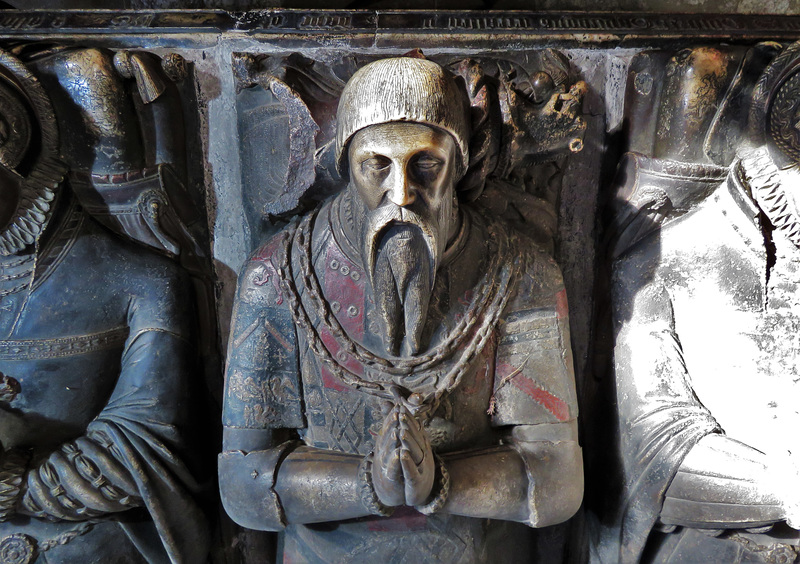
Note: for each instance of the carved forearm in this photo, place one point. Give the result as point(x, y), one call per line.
point(555, 474)
point(322, 485)
point(247, 487)
point(81, 480)
point(488, 483)
point(723, 483)
point(534, 481)
point(268, 489)
point(537, 482)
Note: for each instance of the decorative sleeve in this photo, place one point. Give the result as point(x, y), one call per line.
point(262, 387)
point(136, 452)
point(534, 376)
point(661, 419)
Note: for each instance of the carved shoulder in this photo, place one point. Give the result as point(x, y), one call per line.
point(124, 283)
point(541, 283)
point(534, 380)
point(259, 279)
point(262, 385)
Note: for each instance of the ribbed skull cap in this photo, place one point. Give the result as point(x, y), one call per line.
point(402, 89)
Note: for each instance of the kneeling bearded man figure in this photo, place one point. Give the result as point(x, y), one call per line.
point(413, 350)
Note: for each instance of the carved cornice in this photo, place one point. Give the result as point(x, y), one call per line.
point(576, 26)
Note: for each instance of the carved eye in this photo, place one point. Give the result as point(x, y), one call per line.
point(427, 163)
point(375, 164)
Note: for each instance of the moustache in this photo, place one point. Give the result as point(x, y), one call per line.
point(379, 222)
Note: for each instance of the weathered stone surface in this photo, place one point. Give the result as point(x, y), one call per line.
point(656, 6)
point(239, 133)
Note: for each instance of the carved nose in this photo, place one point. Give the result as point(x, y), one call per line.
point(401, 193)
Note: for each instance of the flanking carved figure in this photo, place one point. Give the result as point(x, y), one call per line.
point(706, 309)
point(399, 383)
point(96, 330)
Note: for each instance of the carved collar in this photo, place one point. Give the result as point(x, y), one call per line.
point(777, 200)
point(23, 272)
point(35, 207)
point(439, 370)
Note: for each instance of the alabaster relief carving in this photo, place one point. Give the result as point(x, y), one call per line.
point(706, 308)
point(96, 351)
point(399, 377)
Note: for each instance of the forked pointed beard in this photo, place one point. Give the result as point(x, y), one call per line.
point(378, 221)
point(402, 261)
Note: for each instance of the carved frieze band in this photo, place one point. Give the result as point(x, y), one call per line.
point(621, 24)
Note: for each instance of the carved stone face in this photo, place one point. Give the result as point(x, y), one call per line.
point(407, 169)
point(405, 175)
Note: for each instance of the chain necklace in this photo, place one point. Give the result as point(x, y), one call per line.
point(381, 375)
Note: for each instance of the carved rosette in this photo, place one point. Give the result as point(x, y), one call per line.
point(17, 549)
